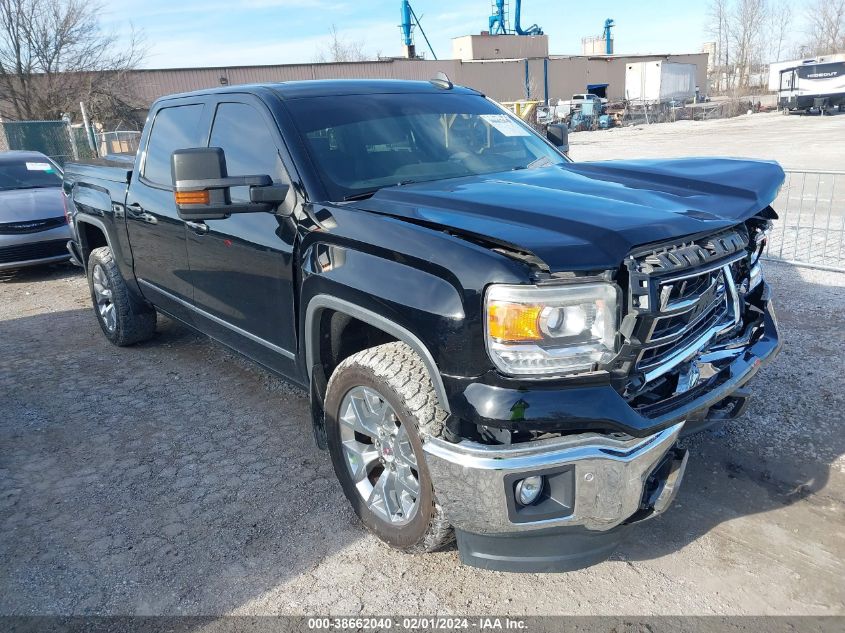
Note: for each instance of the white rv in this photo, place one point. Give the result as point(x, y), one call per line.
point(820, 86)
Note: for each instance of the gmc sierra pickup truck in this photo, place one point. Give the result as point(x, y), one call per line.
point(500, 345)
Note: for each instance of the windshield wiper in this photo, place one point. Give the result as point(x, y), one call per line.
point(363, 195)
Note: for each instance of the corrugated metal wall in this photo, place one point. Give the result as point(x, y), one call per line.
point(503, 80)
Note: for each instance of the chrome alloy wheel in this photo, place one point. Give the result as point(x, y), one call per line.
point(379, 455)
point(103, 298)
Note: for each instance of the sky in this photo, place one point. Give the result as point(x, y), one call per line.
point(185, 33)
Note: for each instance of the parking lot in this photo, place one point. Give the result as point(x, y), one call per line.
point(176, 478)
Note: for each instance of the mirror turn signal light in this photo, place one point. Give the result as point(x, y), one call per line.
point(192, 197)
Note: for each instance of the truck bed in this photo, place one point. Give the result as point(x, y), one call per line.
point(113, 169)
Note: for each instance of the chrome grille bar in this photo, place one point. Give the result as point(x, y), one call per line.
point(720, 315)
point(683, 298)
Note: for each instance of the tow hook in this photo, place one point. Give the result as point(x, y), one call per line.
point(730, 408)
point(662, 485)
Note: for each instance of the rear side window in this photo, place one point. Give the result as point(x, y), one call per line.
point(242, 133)
point(173, 128)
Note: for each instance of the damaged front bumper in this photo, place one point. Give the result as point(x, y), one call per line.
point(592, 403)
point(592, 484)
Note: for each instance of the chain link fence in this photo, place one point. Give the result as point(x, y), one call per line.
point(811, 227)
point(57, 139)
point(118, 142)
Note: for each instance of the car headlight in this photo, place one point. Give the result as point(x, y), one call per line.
point(547, 330)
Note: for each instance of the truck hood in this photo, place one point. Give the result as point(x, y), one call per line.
point(589, 216)
point(22, 205)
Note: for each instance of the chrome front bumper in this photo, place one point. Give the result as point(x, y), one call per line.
point(600, 481)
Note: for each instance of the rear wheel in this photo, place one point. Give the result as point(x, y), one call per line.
point(380, 403)
point(123, 320)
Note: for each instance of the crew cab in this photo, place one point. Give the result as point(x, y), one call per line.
point(499, 344)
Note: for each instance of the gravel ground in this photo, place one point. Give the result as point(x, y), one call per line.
point(175, 478)
point(796, 142)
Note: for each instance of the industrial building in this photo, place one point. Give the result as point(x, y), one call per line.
point(505, 67)
point(508, 62)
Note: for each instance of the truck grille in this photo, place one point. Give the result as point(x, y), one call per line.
point(682, 298)
point(31, 226)
point(36, 250)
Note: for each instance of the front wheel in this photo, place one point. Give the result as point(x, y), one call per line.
point(379, 404)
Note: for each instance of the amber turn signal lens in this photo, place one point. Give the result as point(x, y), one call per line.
point(192, 197)
point(514, 322)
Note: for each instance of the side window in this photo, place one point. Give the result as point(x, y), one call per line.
point(240, 130)
point(173, 128)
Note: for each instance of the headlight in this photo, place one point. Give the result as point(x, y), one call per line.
point(544, 330)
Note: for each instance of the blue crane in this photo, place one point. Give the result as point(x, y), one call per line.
point(498, 22)
point(409, 20)
point(608, 43)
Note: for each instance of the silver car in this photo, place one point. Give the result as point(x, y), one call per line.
point(33, 224)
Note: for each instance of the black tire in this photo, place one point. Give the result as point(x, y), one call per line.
point(399, 376)
point(133, 321)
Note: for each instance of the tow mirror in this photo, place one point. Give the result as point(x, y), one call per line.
point(201, 186)
point(558, 135)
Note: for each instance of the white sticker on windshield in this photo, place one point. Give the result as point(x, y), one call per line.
point(39, 167)
point(505, 125)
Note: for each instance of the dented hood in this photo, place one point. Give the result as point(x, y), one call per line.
point(588, 216)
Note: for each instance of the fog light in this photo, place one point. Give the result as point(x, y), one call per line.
point(528, 490)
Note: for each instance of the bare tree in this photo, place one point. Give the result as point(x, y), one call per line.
point(53, 54)
point(341, 50)
point(749, 34)
point(748, 20)
point(719, 28)
point(826, 19)
point(780, 29)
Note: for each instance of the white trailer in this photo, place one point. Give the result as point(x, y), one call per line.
point(820, 86)
point(776, 67)
point(659, 82)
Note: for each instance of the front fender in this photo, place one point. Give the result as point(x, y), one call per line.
point(414, 306)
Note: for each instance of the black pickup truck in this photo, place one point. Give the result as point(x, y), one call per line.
point(499, 344)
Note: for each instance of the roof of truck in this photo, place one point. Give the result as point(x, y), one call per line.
point(335, 87)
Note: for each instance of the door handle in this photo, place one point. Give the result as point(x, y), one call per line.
point(200, 228)
point(136, 212)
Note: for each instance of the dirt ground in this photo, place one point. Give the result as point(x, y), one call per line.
point(176, 478)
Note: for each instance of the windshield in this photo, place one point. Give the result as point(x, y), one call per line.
point(361, 143)
point(29, 174)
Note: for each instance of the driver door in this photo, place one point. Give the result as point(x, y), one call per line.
point(241, 267)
